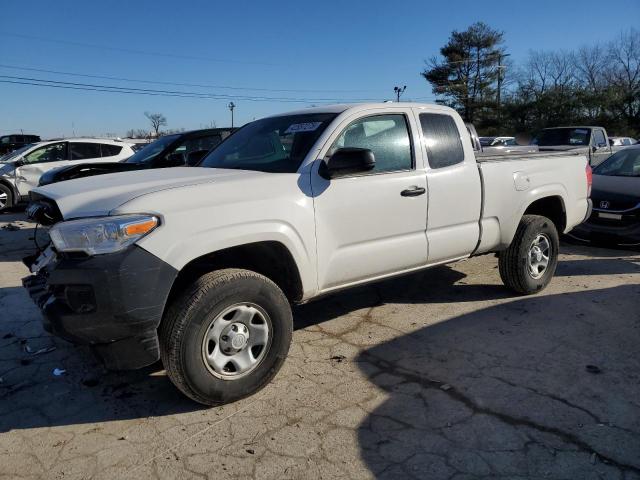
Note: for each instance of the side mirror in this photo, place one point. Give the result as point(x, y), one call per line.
point(347, 161)
point(195, 157)
point(174, 160)
point(19, 163)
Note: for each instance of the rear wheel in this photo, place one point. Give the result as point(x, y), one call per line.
point(6, 197)
point(226, 337)
point(528, 265)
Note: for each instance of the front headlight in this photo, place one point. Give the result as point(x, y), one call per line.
point(95, 236)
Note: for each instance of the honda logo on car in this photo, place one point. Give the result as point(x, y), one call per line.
point(604, 204)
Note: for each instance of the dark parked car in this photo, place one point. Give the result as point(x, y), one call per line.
point(615, 219)
point(174, 150)
point(9, 143)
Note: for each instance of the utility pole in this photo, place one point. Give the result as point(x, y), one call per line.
point(498, 96)
point(231, 107)
point(399, 91)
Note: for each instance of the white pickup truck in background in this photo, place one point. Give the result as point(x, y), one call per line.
point(199, 265)
point(592, 142)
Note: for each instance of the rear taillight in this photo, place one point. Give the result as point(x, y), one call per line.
point(589, 179)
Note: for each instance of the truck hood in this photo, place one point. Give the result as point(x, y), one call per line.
point(99, 195)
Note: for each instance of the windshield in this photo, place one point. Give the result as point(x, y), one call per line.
point(563, 136)
point(151, 151)
point(274, 145)
point(625, 163)
point(15, 154)
point(486, 141)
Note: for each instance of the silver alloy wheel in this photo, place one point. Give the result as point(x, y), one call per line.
point(237, 341)
point(3, 199)
point(538, 256)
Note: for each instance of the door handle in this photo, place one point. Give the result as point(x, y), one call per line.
point(413, 191)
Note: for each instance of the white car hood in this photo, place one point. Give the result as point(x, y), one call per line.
point(101, 194)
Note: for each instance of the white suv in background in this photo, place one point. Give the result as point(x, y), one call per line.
point(21, 169)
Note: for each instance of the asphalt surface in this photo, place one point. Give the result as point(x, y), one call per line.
point(439, 375)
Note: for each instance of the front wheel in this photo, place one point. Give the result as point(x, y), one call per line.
point(529, 263)
point(226, 337)
point(6, 197)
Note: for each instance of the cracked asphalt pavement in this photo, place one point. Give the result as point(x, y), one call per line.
point(443, 374)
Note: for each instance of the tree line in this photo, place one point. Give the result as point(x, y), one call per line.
point(596, 84)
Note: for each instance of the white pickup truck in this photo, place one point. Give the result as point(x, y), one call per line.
point(198, 266)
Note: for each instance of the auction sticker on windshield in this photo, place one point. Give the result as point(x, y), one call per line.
point(303, 127)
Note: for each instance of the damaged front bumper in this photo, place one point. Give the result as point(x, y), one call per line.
point(112, 302)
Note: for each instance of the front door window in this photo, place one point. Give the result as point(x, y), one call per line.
point(49, 153)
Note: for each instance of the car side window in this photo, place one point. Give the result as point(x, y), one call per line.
point(110, 150)
point(83, 151)
point(49, 153)
point(203, 143)
point(387, 136)
point(442, 140)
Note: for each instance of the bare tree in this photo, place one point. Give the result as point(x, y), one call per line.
point(624, 76)
point(157, 120)
point(548, 70)
point(138, 133)
point(590, 64)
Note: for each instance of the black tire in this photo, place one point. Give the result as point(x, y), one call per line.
point(513, 262)
point(4, 190)
point(189, 317)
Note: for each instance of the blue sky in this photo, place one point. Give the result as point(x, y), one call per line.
point(318, 50)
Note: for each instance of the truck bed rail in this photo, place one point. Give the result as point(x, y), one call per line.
point(482, 158)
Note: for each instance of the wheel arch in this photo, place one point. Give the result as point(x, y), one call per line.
point(548, 203)
point(269, 258)
point(552, 207)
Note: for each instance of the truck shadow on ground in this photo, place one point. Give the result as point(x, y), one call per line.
point(445, 284)
point(495, 392)
point(17, 244)
point(31, 396)
point(599, 266)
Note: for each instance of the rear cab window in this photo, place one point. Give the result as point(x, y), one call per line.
point(598, 138)
point(441, 139)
